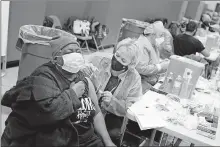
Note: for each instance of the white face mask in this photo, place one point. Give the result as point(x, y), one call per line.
point(159, 40)
point(73, 62)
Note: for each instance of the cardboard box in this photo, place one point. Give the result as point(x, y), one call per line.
point(178, 65)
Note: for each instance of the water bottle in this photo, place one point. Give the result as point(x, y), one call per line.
point(185, 85)
point(177, 85)
point(168, 83)
point(217, 79)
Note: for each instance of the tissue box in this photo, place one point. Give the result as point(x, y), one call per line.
point(178, 65)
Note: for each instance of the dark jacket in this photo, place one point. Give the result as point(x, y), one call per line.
point(41, 105)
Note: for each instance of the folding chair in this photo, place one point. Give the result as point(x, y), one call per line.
point(85, 40)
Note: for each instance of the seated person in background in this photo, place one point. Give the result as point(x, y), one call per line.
point(204, 26)
point(149, 65)
point(164, 40)
point(163, 20)
point(55, 106)
point(174, 29)
point(118, 83)
point(187, 44)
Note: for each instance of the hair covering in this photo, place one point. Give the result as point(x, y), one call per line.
point(73, 62)
point(60, 43)
point(132, 50)
point(149, 30)
point(156, 28)
point(206, 17)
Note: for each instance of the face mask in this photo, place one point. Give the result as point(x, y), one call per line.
point(72, 62)
point(117, 66)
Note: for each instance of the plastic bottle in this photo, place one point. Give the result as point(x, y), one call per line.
point(168, 83)
point(184, 88)
point(217, 79)
point(177, 85)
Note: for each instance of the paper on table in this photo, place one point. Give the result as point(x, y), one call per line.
point(148, 118)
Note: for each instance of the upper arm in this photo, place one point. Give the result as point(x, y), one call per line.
point(92, 94)
point(200, 48)
point(205, 53)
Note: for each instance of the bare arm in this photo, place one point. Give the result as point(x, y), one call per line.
point(99, 122)
point(205, 53)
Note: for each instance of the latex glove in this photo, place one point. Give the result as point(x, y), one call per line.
point(164, 65)
point(213, 56)
point(107, 97)
point(79, 88)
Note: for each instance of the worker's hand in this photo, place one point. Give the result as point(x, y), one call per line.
point(79, 88)
point(164, 64)
point(106, 97)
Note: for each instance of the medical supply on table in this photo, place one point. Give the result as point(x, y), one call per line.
point(185, 89)
point(189, 71)
point(168, 83)
point(177, 85)
point(208, 129)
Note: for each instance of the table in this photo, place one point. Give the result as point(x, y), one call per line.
point(179, 131)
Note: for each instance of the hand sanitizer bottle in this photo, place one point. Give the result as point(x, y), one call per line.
point(177, 85)
point(168, 83)
point(186, 80)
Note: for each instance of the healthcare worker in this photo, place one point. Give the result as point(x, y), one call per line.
point(118, 83)
point(204, 26)
point(149, 65)
point(164, 40)
point(56, 105)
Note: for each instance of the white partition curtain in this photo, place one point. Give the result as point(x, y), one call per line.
point(5, 5)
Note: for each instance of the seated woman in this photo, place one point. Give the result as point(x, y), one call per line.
point(117, 83)
point(166, 46)
point(149, 65)
point(55, 106)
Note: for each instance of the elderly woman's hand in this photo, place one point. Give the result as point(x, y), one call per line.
point(79, 88)
point(107, 97)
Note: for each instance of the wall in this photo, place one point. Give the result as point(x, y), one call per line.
point(139, 9)
point(212, 4)
point(192, 9)
point(22, 13)
point(66, 9)
point(5, 5)
point(109, 12)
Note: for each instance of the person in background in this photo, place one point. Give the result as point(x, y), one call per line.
point(149, 66)
point(187, 44)
point(204, 27)
point(56, 105)
point(183, 23)
point(118, 84)
point(163, 20)
point(174, 28)
point(164, 41)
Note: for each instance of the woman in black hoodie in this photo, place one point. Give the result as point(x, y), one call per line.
point(55, 106)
